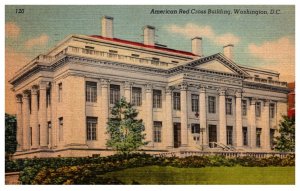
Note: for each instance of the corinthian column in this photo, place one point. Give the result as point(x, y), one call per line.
point(26, 120)
point(252, 123)
point(169, 135)
point(149, 115)
point(127, 91)
point(184, 114)
point(202, 109)
point(222, 116)
point(34, 114)
point(104, 112)
point(238, 118)
point(19, 123)
point(43, 116)
point(266, 125)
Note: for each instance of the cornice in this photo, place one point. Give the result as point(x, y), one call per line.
point(266, 87)
point(188, 70)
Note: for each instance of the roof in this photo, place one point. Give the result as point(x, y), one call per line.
point(143, 45)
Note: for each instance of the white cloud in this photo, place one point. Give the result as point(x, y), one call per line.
point(38, 41)
point(12, 30)
point(278, 55)
point(191, 30)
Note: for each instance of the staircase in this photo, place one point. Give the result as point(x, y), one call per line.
point(222, 146)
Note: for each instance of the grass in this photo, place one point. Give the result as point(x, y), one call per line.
point(208, 175)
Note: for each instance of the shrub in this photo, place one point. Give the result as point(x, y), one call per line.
point(87, 170)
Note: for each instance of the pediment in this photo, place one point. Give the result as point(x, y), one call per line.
point(218, 63)
point(215, 65)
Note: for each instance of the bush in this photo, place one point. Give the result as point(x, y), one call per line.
point(87, 170)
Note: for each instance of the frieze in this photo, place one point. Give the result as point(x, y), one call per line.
point(252, 85)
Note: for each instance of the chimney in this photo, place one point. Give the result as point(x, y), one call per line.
point(149, 35)
point(107, 27)
point(197, 46)
point(228, 51)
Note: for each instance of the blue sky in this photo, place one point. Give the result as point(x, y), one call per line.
point(266, 41)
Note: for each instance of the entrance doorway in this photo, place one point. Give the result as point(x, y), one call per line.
point(177, 135)
point(212, 135)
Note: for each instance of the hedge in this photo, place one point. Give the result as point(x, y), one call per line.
point(90, 170)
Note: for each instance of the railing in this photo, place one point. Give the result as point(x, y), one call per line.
point(113, 56)
point(227, 154)
point(234, 154)
point(267, 81)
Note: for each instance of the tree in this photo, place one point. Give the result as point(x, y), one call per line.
point(286, 141)
point(126, 132)
point(10, 135)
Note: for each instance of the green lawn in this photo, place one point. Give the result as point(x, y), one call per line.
point(208, 175)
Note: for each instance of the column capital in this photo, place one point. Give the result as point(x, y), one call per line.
point(19, 98)
point(253, 100)
point(222, 91)
point(104, 82)
point(43, 85)
point(266, 102)
point(26, 94)
point(184, 86)
point(169, 89)
point(202, 88)
point(128, 85)
point(34, 90)
point(238, 93)
point(148, 87)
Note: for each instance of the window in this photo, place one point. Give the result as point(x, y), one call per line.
point(113, 51)
point(89, 47)
point(195, 103)
point(229, 135)
point(257, 109)
point(38, 99)
point(61, 128)
point(114, 93)
point(228, 106)
point(136, 96)
point(258, 135)
point(91, 91)
point(30, 134)
point(29, 100)
point(195, 128)
point(176, 102)
point(155, 60)
point(91, 128)
point(60, 92)
point(39, 128)
point(156, 98)
point(135, 55)
point(245, 136)
point(49, 132)
point(211, 104)
point(244, 107)
point(272, 110)
point(48, 97)
point(272, 135)
point(157, 131)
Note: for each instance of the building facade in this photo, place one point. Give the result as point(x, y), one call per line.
point(187, 101)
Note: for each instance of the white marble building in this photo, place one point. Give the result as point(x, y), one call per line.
point(187, 101)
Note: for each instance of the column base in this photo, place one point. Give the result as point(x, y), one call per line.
point(43, 147)
point(170, 147)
